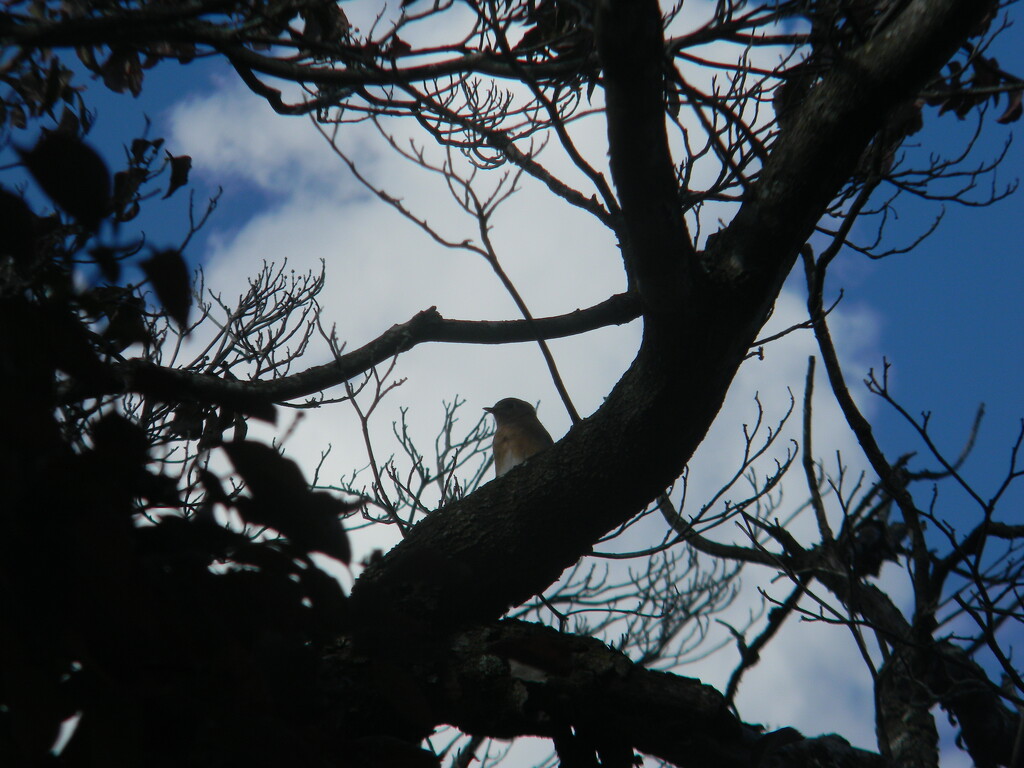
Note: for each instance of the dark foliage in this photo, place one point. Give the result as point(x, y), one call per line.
point(169, 637)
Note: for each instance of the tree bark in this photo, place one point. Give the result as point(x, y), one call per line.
point(514, 678)
point(177, 385)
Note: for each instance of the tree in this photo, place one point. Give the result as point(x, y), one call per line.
point(172, 640)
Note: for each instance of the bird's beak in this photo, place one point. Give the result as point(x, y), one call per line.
point(489, 410)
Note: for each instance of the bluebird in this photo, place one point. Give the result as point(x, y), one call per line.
point(519, 433)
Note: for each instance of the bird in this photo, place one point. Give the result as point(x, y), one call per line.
point(518, 434)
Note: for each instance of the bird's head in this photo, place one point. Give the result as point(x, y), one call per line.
point(510, 409)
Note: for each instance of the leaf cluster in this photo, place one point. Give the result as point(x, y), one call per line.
point(159, 624)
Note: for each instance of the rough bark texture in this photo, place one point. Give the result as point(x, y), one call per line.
point(513, 678)
point(427, 326)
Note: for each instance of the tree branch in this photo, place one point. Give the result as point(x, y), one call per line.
point(176, 385)
point(514, 678)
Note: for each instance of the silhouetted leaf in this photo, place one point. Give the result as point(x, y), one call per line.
point(106, 259)
point(70, 344)
point(115, 471)
point(532, 38)
point(168, 274)
point(281, 499)
point(56, 80)
point(121, 440)
point(986, 75)
point(139, 149)
point(72, 174)
point(17, 116)
point(325, 23)
point(180, 539)
point(180, 167)
point(258, 408)
point(321, 529)
point(159, 490)
point(212, 485)
point(87, 55)
point(69, 123)
point(268, 474)
point(1013, 109)
point(185, 51)
point(122, 71)
point(126, 324)
point(126, 188)
point(398, 47)
point(188, 421)
point(328, 600)
point(273, 557)
point(17, 234)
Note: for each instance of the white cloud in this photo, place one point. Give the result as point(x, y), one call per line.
point(231, 133)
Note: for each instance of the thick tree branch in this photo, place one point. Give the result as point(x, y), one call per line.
point(658, 249)
point(484, 63)
point(185, 22)
point(176, 385)
point(514, 678)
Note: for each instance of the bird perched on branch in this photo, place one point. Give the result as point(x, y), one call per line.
point(519, 433)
